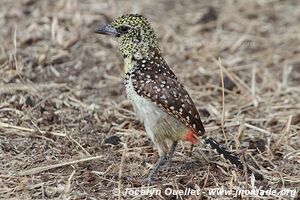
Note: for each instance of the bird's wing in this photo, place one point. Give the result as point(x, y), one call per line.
point(160, 85)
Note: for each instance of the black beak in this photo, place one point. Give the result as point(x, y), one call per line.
point(107, 30)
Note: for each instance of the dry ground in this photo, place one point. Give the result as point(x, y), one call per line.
point(63, 102)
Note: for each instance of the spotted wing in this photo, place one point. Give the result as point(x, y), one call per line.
point(160, 85)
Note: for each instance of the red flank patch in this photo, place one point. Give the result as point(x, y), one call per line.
point(190, 136)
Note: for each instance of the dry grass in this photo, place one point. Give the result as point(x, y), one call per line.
point(62, 96)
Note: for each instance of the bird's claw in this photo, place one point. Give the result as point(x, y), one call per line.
point(167, 164)
point(148, 181)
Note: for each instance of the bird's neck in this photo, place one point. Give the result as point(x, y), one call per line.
point(128, 64)
point(131, 60)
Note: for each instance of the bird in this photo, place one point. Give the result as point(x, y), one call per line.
point(159, 99)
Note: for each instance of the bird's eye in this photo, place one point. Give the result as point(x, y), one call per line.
point(123, 29)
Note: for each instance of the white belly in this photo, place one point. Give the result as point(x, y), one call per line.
point(146, 111)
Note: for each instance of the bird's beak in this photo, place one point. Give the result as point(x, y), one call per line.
point(107, 30)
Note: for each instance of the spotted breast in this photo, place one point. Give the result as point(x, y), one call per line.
point(154, 80)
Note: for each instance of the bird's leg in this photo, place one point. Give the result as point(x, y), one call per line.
point(191, 150)
point(170, 154)
point(153, 172)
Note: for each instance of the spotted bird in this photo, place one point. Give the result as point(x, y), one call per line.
point(159, 99)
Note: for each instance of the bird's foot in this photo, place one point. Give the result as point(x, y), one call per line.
point(148, 181)
point(167, 164)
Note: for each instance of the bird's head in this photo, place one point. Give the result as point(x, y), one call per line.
point(134, 34)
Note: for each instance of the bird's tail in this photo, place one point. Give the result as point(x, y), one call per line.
point(214, 145)
point(231, 157)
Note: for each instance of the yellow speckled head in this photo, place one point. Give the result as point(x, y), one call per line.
point(133, 33)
